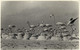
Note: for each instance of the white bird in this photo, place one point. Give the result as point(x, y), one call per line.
point(9, 37)
point(26, 36)
point(51, 15)
point(32, 26)
point(55, 38)
point(41, 37)
point(33, 37)
point(65, 30)
point(9, 25)
point(48, 25)
point(42, 25)
point(45, 29)
point(19, 36)
point(59, 23)
point(65, 39)
point(4, 36)
point(62, 27)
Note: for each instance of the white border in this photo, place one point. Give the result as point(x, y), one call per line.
point(43, 0)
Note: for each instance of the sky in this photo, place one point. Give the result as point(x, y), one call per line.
point(19, 12)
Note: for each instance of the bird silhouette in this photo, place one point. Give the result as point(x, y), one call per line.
point(71, 21)
point(51, 15)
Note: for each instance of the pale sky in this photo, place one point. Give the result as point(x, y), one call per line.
point(19, 12)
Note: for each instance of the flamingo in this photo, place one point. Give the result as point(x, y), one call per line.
point(48, 25)
point(31, 26)
point(55, 38)
point(4, 36)
point(42, 25)
point(71, 21)
point(11, 36)
point(42, 36)
point(60, 23)
point(26, 36)
point(33, 37)
point(71, 24)
point(62, 27)
point(9, 26)
point(19, 36)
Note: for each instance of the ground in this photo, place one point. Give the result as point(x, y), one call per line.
point(48, 44)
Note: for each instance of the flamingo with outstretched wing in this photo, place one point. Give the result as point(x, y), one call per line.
point(71, 21)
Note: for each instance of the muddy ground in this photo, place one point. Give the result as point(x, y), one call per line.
point(32, 44)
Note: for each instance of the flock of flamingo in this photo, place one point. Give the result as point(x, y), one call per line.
point(41, 31)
